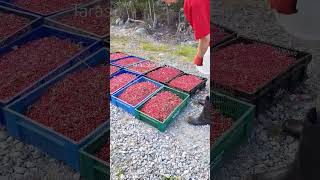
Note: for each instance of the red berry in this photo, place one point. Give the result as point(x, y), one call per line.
point(164, 74)
point(120, 81)
point(143, 67)
point(186, 82)
point(127, 61)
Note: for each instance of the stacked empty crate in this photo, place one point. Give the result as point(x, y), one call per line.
point(141, 87)
point(43, 56)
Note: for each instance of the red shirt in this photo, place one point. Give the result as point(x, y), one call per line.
point(197, 13)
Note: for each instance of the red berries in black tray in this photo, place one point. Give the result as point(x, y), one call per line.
point(164, 74)
point(135, 93)
point(93, 20)
point(28, 63)
point(117, 55)
point(248, 67)
point(218, 34)
point(161, 105)
point(143, 67)
point(48, 6)
point(220, 125)
point(127, 61)
point(104, 153)
point(11, 23)
point(186, 82)
point(119, 81)
point(74, 106)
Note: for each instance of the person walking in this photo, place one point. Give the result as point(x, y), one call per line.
point(197, 13)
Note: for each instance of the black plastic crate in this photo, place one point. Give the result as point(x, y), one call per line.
point(264, 96)
point(231, 34)
point(200, 86)
point(181, 72)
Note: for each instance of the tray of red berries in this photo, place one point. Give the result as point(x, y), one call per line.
point(120, 79)
point(117, 55)
point(220, 34)
point(164, 74)
point(127, 61)
point(188, 83)
point(143, 67)
point(255, 70)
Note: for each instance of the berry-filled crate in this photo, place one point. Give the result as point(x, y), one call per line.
point(160, 109)
point(255, 71)
point(132, 95)
point(92, 165)
point(143, 67)
point(120, 79)
point(231, 135)
point(37, 7)
point(38, 56)
point(114, 69)
point(91, 19)
point(164, 74)
point(117, 55)
point(221, 34)
point(188, 83)
point(127, 61)
point(14, 23)
point(63, 126)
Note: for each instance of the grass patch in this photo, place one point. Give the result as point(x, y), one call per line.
point(187, 52)
point(148, 46)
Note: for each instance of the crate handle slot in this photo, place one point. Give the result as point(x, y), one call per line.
point(33, 129)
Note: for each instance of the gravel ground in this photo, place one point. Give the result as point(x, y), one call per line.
point(139, 151)
point(268, 148)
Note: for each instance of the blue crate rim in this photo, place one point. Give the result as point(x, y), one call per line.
point(141, 60)
point(237, 122)
point(52, 71)
point(146, 72)
point(13, 5)
point(70, 70)
point(121, 72)
point(53, 19)
point(83, 151)
point(163, 88)
point(133, 82)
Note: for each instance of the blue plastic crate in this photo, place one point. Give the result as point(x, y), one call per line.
point(34, 22)
point(115, 61)
point(90, 44)
point(54, 20)
point(124, 105)
point(10, 3)
point(121, 72)
point(53, 143)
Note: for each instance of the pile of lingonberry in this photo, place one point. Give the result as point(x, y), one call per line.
point(113, 69)
point(164, 74)
point(143, 67)
point(161, 105)
point(218, 35)
point(117, 55)
point(138, 92)
point(186, 82)
point(120, 81)
point(104, 153)
point(11, 23)
point(74, 106)
point(220, 125)
point(94, 20)
point(247, 67)
point(28, 63)
point(49, 6)
point(127, 61)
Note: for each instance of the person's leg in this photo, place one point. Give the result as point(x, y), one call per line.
point(205, 117)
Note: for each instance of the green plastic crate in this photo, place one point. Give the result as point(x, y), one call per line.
point(91, 167)
point(243, 114)
point(162, 126)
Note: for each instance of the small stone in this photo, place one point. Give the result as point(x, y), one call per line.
point(76, 176)
point(19, 170)
point(29, 164)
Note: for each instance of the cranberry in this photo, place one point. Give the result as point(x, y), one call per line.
point(120, 81)
point(127, 61)
point(143, 67)
point(113, 69)
point(117, 55)
point(104, 153)
point(164, 74)
point(186, 82)
point(11, 23)
point(220, 125)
